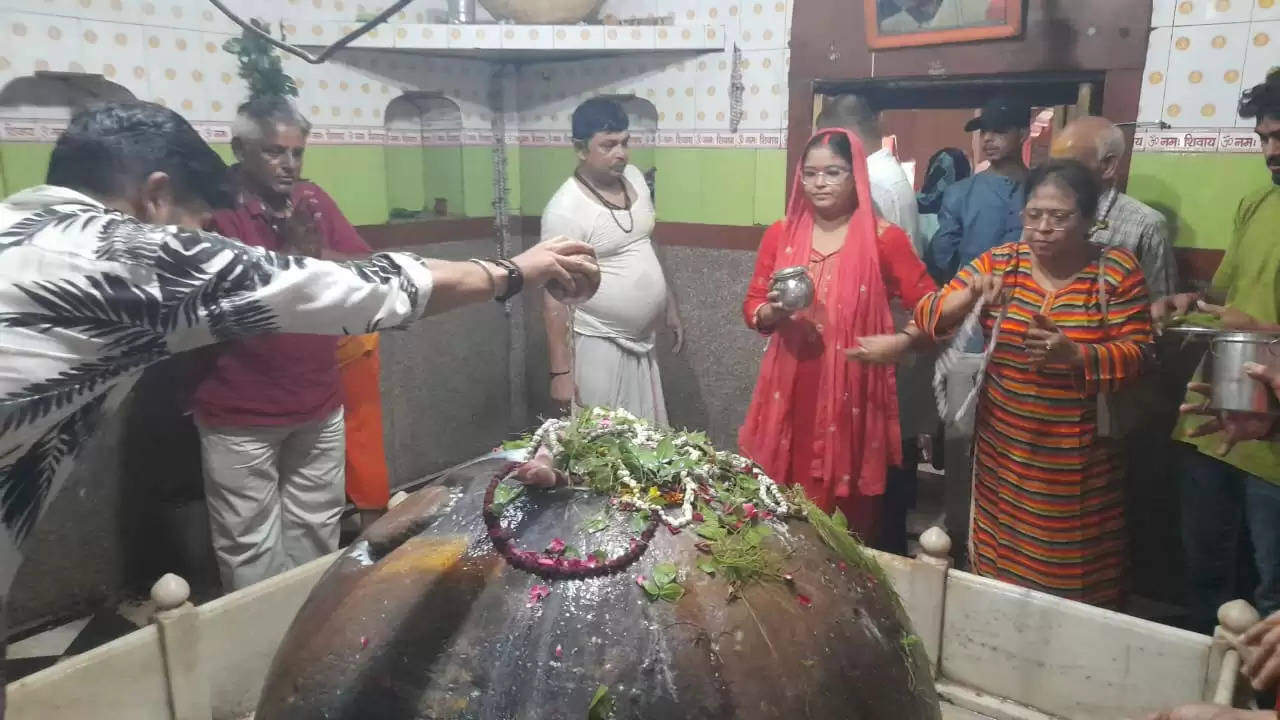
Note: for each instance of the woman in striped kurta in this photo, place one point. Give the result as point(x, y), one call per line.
point(1048, 497)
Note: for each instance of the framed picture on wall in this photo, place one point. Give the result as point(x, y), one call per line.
point(912, 23)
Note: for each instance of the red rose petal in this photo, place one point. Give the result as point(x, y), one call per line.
point(640, 580)
point(749, 510)
point(537, 593)
point(556, 546)
point(804, 600)
point(364, 641)
point(697, 517)
point(559, 651)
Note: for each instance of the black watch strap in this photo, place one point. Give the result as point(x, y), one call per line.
point(515, 278)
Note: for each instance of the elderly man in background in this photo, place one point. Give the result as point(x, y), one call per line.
point(891, 189)
point(610, 358)
point(1122, 221)
point(270, 411)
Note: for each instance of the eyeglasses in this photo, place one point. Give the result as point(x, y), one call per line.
point(832, 175)
point(1034, 218)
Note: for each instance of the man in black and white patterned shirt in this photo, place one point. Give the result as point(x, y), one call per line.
point(103, 271)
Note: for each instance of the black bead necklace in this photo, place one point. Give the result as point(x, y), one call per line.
point(611, 206)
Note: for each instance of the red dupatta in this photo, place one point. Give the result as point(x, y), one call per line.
point(857, 402)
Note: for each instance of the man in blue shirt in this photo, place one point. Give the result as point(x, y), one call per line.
point(977, 214)
point(985, 210)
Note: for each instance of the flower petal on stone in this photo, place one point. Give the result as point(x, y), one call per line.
point(556, 546)
point(537, 593)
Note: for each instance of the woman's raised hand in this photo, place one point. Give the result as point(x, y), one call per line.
point(988, 288)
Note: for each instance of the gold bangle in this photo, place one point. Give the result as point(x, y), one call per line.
point(493, 284)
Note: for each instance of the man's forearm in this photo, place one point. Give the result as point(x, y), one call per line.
point(454, 284)
point(556, 319)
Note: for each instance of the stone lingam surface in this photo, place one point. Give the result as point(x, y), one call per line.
point(421, 618)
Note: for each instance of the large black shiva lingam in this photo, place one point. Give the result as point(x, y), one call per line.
point(667, 581)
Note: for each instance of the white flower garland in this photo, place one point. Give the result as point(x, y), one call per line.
point(621, 422)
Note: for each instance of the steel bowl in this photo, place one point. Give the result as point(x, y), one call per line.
point(1224, 367)
point(794, 286)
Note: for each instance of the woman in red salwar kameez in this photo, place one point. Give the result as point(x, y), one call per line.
point(816, 419)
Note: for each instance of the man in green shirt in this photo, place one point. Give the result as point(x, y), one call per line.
point(1227, 494)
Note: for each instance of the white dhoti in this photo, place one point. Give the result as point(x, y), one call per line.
point(614, 373)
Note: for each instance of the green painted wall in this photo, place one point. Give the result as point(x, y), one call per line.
point(714, 186)
point(24, 164)
point(477, 181)
point(695, 185)
point(417, 176)
point(1198, 193)
point(356, 177)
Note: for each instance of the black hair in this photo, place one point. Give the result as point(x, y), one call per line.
point(110, 149)
point(259, 117)
point(837, 143)
point(1262, 100)
point(1071, 175)
point(598, 115)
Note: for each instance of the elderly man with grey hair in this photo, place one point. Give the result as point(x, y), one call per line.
point(1122, 221)
point(270, 408)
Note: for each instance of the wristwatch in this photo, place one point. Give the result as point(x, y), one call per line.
point(515, 278)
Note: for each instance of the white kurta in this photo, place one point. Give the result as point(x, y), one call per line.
point(615, 362)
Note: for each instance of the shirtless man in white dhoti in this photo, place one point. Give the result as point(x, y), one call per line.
point(612, 361)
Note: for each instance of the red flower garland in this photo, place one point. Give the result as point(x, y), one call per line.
point(556, 567)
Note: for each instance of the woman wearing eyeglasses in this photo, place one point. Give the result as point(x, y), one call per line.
point(816, 419)
point(1048, 499)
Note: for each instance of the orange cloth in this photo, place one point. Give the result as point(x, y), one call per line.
point(352, 347)
point(368, 481)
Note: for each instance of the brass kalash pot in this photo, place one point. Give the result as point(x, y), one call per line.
point(421, 618)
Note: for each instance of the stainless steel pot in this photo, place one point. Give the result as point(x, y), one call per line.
point(795, 287)
point(1232, 389)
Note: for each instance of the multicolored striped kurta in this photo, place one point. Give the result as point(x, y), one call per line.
point(1048, 497)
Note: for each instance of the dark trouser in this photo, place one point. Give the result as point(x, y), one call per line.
point(1224, 511)
point(899, 498)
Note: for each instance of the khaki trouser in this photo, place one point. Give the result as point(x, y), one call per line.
point(275, 495)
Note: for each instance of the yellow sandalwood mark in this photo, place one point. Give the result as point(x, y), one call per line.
point(426, 556)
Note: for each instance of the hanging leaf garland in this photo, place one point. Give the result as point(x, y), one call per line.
point(260, 65)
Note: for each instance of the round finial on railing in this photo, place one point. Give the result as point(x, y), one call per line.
point(936, 543)
point(170, 592)
point(397, 499)
point(1238, 616)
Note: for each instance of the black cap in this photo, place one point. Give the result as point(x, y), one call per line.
point(1001, 113)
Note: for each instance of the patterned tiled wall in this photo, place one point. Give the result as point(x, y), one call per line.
point(1202, 54)
point(170, 52)
point(692, 93)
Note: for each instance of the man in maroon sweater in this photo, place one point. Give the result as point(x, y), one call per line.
point(270, 411)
